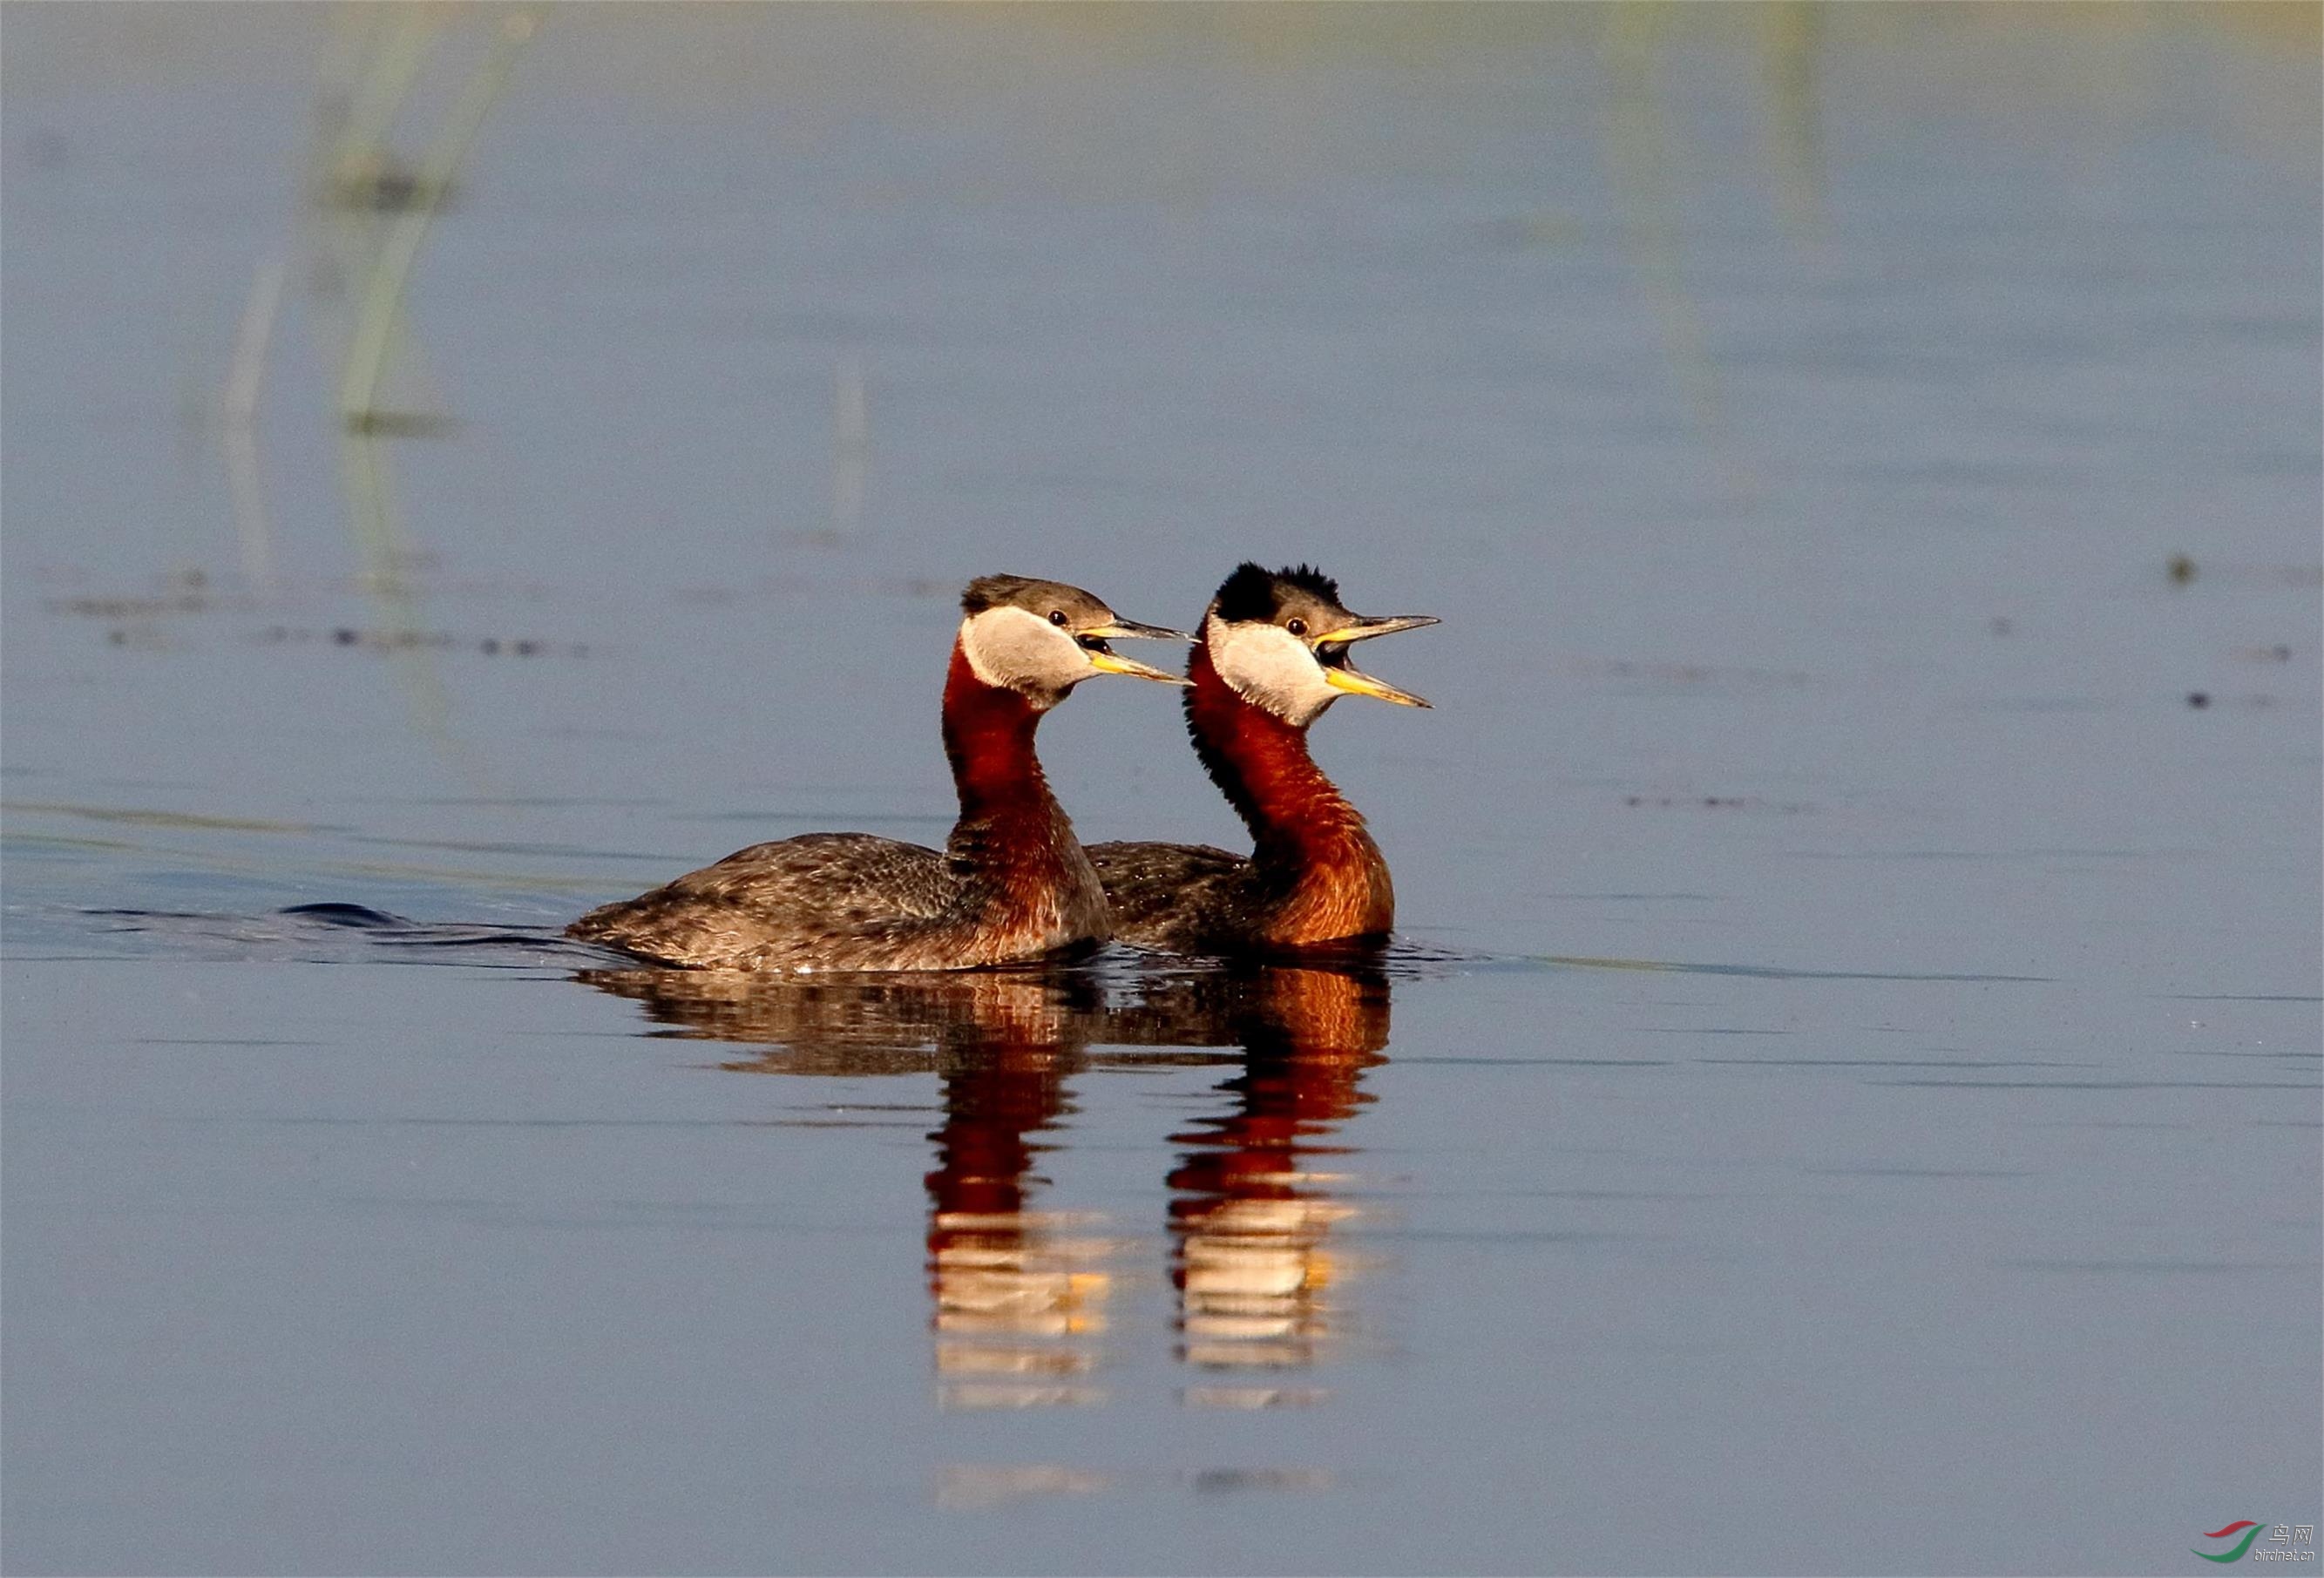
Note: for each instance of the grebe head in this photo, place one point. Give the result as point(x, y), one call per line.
point(1042, 638)
point(1281, 637)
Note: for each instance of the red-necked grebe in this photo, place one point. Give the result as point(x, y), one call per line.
point(1011, 882)
point(1271, 656)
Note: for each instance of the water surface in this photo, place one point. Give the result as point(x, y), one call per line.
point(1845, 1098)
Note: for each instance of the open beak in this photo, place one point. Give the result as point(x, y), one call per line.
point(1106, 661)
point(1332, 652)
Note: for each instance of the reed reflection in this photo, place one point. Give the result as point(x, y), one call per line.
point(1020, 1292)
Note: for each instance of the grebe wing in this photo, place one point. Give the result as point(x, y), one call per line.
point(1165, 895)
point(773, 899)
point(885, 876)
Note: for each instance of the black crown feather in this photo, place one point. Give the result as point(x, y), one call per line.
point(1253, 593)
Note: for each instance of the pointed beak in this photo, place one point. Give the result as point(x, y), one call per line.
point(1104, 661)
point(1357, 684)
point(1332, 652)
point(1130, 627)
point(1114, 663)
point(1362, 630)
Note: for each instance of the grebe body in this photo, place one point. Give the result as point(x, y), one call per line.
point(1011, 883)
point(1271, 656)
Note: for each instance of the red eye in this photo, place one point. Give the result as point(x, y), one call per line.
point(1298, 627)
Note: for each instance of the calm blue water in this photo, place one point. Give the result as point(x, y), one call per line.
point(1846, 1099)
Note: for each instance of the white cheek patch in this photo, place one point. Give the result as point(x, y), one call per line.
point(1269, 666)
point(1014, 648)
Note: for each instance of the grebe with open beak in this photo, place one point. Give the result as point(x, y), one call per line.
point(1011, 883)
point(1271, 657)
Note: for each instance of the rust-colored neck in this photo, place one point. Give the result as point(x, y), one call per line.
point(1033, 887)
point(1325, 874)
point(988, 734)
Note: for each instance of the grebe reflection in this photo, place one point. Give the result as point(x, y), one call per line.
point(1022, 1293)
point(1019, 1293)
point(1255, 1199)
